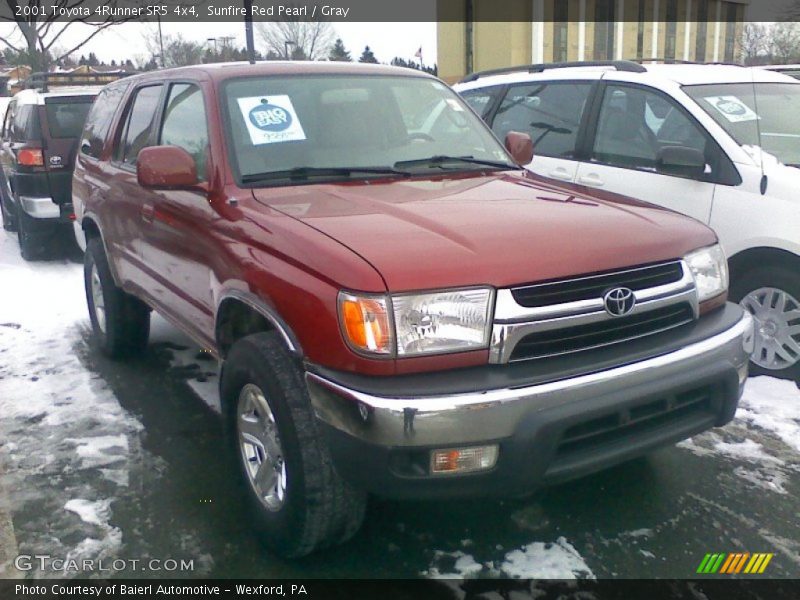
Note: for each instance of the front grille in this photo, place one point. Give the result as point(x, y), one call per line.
point(601, 333)
point(628, 423)
point(595, 286)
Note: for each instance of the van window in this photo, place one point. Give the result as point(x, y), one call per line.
point(185, 123)
point(139, 123)
point(98, 121)
point(549, 112)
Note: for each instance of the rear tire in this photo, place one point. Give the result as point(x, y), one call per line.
point(9, 219)
point(772, 295)
point(121, 322)
point(31, 246)
point(297, 500)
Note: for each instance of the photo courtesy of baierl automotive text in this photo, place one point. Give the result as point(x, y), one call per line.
point(366, 299)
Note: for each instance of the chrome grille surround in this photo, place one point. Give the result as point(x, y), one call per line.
point(513, 322)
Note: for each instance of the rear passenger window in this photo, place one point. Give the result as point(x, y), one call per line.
point(98, 121)
point(139, 123)
point(26, 123)
point(185, 123)
point(549, 112)
point(635, 124)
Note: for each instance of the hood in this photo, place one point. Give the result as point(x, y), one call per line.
point(500, 230)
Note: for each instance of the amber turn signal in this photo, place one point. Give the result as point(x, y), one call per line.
point(365, 323)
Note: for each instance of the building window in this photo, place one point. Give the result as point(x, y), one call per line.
point(702, 30)
point(671, 29)
point(604, 29)
point(731, 16)
point(640, 32)
point(560, 31)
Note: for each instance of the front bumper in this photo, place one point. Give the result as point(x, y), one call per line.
point(547, 431)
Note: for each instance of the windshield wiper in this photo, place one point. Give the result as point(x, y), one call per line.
point(440, 159)
point(304, 173)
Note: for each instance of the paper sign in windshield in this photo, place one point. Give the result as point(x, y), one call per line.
point(271, 119)
point(732, 108)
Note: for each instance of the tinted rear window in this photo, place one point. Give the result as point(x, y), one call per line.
point(26, 124)
point(65, 119)
point(98, 122)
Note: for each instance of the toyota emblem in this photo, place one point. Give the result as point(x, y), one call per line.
point(619, 301)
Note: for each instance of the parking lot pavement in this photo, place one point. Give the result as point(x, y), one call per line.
point(123, 461)
point(8, 541)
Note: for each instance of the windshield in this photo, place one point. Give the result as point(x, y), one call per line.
point(333, 125)
point(772, 111)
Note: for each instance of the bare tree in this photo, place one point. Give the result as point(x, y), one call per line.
point(310, 39)
point(36, 36)
point(785, 41)
point(178, 51)
point(754, 42)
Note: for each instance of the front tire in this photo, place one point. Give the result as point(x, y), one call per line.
point(772, 295)
point(297, 500)
point(120, 321)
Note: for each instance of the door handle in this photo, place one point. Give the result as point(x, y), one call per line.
point(148, 212)
point(561, 174)
point(592, 179)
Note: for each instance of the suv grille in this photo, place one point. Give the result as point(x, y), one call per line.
point(695, 404)
point(602, 333)
point(584, 288)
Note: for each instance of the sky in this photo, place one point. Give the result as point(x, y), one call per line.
point(127, 40)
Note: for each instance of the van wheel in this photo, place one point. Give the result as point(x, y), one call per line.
point(120, 321)
point(31, 246)
point(298, 502)
point(772, 296)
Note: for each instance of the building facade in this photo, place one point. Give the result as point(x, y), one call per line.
point(568, 30)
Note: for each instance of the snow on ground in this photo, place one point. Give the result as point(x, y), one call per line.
point(61, 428)
point(537, 560)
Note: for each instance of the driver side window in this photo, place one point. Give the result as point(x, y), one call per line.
point(636, 124)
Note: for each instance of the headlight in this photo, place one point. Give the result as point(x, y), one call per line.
point(447, 321)
point(709, 268)
point(417, 324)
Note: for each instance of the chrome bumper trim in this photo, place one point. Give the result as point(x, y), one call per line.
point(40, 208)
point(494, 414)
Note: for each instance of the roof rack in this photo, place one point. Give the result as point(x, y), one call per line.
point(667, 61)
point(43, 81)
point(619, 65)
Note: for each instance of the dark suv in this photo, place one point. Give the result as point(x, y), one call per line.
point(40, 134)
point(397, 306)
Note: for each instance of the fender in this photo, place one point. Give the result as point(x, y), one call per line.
point(89, 216)
point(266, 311)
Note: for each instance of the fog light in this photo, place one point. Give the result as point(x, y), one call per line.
point(463, 460)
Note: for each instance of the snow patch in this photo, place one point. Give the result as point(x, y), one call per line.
point(94, 513)
point(774, 405)
point(546, 561)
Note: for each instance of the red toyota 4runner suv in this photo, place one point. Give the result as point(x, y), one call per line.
point(397, 306)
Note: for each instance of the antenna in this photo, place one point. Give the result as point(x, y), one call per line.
point(764, 179)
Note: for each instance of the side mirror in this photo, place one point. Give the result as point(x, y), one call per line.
point(681, 161)
point(520, 146)
point(166, 167)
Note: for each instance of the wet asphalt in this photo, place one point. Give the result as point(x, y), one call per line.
point(655, 517)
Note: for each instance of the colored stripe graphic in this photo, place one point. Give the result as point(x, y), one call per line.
point(734, 563)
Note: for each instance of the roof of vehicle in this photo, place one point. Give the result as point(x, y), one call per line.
point(793, 67)
point(682, 74)
point(220, 71)
point(38, 97)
